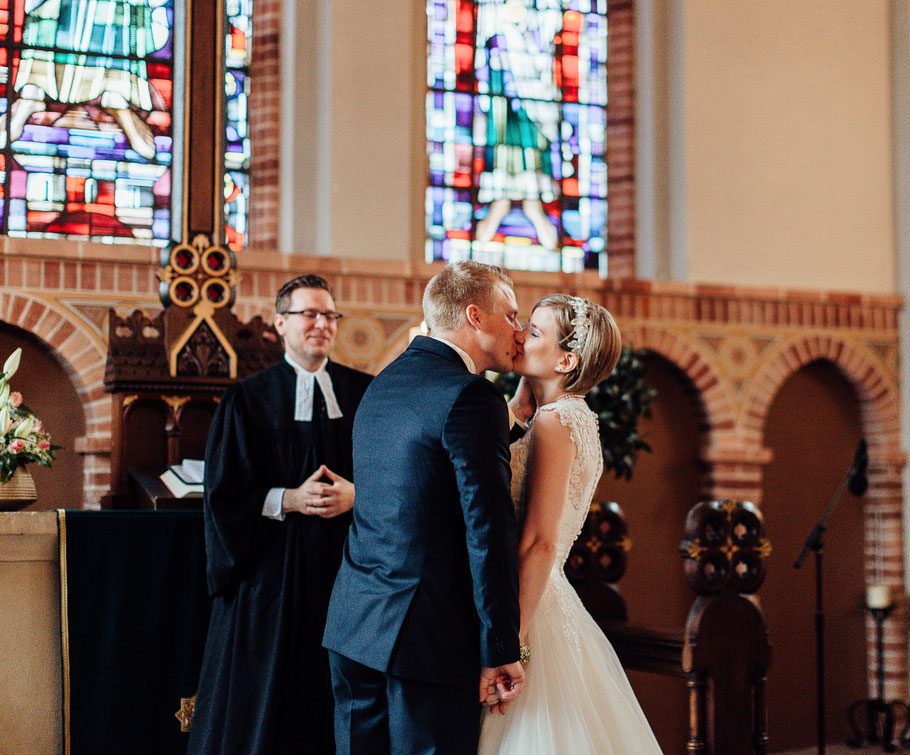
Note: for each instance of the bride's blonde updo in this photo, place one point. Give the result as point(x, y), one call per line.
point(588, 330)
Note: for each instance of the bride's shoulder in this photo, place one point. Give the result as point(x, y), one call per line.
point(551, 439)
point(550, 423)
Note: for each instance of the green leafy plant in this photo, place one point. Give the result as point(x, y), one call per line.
point(619, 402)
point(23, 438)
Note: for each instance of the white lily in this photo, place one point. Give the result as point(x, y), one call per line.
point(4, 419)
point(23, 428)
point(12, 363)
point(4, 394)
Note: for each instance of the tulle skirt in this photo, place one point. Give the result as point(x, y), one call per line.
point(576, 697)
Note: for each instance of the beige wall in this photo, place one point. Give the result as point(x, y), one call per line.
point(779, 142)
point(30, 670)
point(354, 129)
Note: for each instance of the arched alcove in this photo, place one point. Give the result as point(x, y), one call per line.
point(48, 391)
point(812, 427)
point(664, 486)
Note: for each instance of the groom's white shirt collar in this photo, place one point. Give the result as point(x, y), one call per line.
point(306, 380)
point(468, 362)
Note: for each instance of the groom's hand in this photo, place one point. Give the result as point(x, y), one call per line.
point(316, 498)
point(500, 685)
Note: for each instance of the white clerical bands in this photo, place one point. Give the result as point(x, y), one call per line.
point(306, 387)
point(581, 323)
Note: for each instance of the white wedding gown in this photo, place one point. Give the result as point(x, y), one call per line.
point(576, 697)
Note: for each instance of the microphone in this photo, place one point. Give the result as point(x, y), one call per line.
point(858, 482)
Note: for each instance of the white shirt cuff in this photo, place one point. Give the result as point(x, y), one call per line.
point(272, 506)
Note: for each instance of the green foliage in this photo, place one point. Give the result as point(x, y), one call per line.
point(619, 402)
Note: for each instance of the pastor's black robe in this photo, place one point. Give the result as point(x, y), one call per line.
point(264, 685)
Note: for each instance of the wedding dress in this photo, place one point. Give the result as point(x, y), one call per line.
point(576, 697)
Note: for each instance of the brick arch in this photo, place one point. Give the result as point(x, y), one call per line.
point(698, 364)
point(876, 390)
point(877, 394)
point(82, 356)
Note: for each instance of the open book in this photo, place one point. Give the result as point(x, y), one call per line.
point(184, 479)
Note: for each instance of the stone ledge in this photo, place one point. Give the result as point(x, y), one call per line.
point(29, 536)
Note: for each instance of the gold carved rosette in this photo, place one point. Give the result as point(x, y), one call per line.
point(598, 561)
point(197, 289)
point(725, 547)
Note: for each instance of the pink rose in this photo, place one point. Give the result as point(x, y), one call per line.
point(16, 446)
point(37, 427)
point(43, 445)
point(16, 398)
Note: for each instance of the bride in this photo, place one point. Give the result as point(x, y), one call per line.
point(576, 697)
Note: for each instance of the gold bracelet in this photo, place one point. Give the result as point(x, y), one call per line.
point(524, 654)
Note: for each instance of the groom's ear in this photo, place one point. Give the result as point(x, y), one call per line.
point(472, 315)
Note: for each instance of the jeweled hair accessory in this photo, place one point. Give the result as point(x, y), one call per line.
point(581, 323)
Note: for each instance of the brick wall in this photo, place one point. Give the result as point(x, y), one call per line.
point(265, 125)
point(621, 138)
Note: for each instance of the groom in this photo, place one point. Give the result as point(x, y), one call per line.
point(427, 596)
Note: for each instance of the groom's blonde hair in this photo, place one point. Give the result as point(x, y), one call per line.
point(459, 284)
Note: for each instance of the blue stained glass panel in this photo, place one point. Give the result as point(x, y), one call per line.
point(516, 132)
point(85, 92)
point(237, 138)
point(85, 98)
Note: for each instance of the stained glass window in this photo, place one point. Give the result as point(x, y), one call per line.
point(237, 151)
point(516, 132)
point(85, 118)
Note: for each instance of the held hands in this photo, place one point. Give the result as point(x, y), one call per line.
point(315, 498)
point(500, 685)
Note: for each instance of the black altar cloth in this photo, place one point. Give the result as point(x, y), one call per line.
point(134, 611)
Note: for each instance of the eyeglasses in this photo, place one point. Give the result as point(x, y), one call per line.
point(311, 315)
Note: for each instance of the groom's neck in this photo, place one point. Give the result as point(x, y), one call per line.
point(465, 339)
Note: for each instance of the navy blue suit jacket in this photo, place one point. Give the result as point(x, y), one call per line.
point(428, 586)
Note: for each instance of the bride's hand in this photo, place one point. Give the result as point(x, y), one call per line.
point(500, 685)
point(523, 402)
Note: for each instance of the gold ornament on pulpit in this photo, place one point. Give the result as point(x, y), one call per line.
point(198, 283)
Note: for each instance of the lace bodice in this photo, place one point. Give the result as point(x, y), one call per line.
point(573, 413)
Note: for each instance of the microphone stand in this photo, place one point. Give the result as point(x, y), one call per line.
point(814, 543)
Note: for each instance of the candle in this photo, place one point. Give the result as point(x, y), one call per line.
point(878, 596)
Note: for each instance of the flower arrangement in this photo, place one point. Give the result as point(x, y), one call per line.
point(23, 438)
